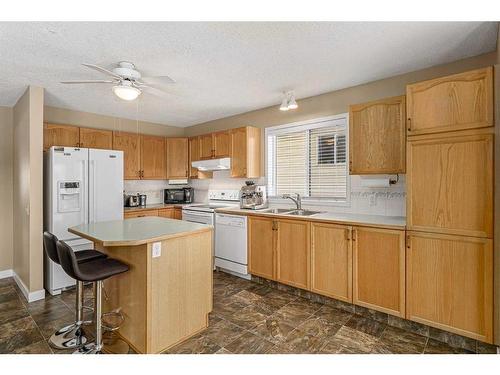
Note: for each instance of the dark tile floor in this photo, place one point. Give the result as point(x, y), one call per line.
point(247, 318)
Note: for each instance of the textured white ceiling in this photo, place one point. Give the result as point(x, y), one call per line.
point(222, 69)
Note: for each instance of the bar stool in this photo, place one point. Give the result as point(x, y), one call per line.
point(72, 335)
point(95, 271)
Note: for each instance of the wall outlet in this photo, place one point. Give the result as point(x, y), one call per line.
point(373, 199)
point(156, 249)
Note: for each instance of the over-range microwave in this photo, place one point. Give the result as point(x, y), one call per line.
point(183, 195)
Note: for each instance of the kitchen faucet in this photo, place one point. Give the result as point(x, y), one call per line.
point(297, 200)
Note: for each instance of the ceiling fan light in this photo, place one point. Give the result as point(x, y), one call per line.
point(284, 105)
point(126, 92)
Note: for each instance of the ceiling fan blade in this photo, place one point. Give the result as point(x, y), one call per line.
point(154, 91)
point(158, 80)
point(102, 70)
point(88, 81)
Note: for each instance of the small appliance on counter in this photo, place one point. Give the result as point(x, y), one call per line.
point(253, 197)
point(183, 195)
point(131, 200)
point(142, 199)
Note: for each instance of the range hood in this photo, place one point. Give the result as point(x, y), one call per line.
point(212, 164)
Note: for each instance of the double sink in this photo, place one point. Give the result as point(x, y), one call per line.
point(287, 211)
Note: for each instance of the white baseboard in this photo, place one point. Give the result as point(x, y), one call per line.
point(30, 296)
point(6, 273)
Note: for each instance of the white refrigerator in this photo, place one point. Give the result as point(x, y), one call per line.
point(82, 185)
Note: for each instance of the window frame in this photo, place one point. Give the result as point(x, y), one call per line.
point(317, 123)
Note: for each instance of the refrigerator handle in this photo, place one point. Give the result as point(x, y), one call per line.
point(85, 192)
point(92, 200)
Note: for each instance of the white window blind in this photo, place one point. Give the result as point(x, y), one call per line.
point(309, 159)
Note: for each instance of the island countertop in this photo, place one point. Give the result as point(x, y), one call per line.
point(137, 231)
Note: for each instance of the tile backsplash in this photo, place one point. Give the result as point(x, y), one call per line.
point(388, 201)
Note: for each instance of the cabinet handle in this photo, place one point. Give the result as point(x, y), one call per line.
point(408, 242)
point(409, 123)
point(354, 235)
point(347, 234)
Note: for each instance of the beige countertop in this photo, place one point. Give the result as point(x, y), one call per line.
point(137, 231)
point(394, 222)
point(155, 206)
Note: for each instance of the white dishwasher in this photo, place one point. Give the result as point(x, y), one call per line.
point(231, 244)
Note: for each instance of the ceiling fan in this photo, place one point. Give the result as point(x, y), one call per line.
point(127, 81)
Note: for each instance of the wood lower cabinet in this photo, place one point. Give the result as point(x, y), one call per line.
point(96, 138)
point(130, 144)
point(377, 136)
point(222, 144)
point(331, 260)
point(153, 158)
point(178, 213)
point(293, 255)
point(450, 183)
point(206, 146)
point(450, 283)
point(166, 212)
point(261, 244)
point(140, 213)
point(379, 269)
point(456, 102)
point(177, 158)
point(245, 152)
point(60, 135)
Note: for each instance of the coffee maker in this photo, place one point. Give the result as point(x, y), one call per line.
point(253, 197)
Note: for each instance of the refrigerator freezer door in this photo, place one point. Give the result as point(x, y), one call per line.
point(105, 185)
point(68, 190)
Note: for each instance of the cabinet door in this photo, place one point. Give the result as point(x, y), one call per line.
point(194, 155)
point(153, 158)
point(261, 239)
point(331, 261)
point(293, 253)
point(379, 269)
point(222, 144)
point(450, 283)
point(96, 138)
point(460, 101)
point(60, 135)
point(130, 144)
point(178, 213)
point(177, 157)
point(166, 212)
point(377, 137)
point(206, 146)
point(140, 213)
point(450, 184)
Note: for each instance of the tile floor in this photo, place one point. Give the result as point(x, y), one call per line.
point(247, 318)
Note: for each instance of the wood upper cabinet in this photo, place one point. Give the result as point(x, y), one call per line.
point(206, 146)
point(450, 183)
point(245, 152)
point(153, 157)
point(194, 155)
point(293, 255)
point(222, 144)
point(331, 260)
point(377, 136)
point(60, 135)
point(177, 157)
point(130, 144)
point(450, 283)
point(96, 138)
point(261, 243)
point(379, 269)
point(456, 102)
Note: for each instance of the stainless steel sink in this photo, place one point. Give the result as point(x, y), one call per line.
point(303, 212)
point(277, 210)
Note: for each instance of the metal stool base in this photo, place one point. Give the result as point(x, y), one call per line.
point(90, 348)
point(68, 337)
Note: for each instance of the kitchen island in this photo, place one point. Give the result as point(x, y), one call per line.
point(166, 295)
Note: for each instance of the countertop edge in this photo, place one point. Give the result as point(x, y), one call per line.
point(311, 218)
point(140, 242)
point(156, 206)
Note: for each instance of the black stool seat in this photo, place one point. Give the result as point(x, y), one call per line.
point(83, 256)
point(101, 269)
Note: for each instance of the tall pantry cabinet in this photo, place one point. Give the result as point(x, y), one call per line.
point(449, 255)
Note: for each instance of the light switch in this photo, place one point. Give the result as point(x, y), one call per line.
point(156, 249)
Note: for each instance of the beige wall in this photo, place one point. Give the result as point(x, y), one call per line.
point(6, 189)
point(336, 102)
point(27, 188)
point(92, 120)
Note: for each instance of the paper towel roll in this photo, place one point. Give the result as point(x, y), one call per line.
point(375, 182)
